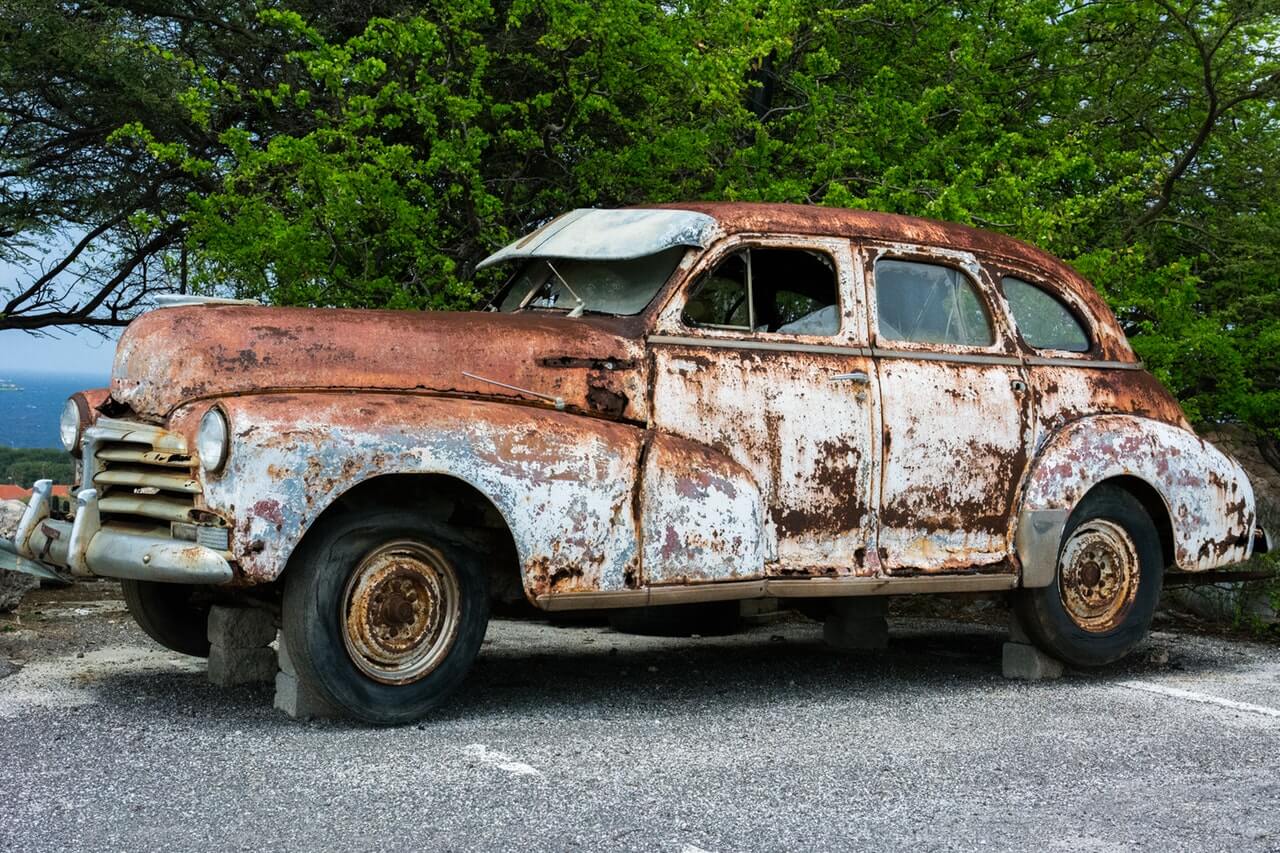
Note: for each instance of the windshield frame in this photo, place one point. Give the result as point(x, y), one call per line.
point(570, 307)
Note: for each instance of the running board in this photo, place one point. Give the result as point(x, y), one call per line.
point(775, 588)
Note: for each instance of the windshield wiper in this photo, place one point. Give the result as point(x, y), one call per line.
point(582, 304)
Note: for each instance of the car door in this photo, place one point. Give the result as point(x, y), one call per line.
point(955, 411)
point(761, 355)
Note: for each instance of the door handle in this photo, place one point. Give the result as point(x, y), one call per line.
point(857, 377)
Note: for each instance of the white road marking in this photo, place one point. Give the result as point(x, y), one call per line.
point(1204, 698)
point(693, 848)
point(500, 760)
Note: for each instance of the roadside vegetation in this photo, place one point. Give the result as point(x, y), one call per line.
point(22, 466)
point(370, 154)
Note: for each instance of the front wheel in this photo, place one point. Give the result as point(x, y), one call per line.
point(172, 614)
point(384, 613)
point(1107, 585)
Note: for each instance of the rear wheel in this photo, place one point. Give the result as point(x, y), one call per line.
point(1108, 580)
point(384, 613)
point(171, 614)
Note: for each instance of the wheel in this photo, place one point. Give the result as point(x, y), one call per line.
point(171, 614)
point(384, 613)
point(1110, 570)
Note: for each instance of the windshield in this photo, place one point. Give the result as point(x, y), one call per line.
point(603, 287)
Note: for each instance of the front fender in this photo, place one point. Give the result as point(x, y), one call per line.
point(564, 483)
point(1206, 493)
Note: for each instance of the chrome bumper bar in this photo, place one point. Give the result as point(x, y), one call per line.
point(84, 547)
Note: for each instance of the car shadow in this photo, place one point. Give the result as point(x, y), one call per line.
point(589, 671)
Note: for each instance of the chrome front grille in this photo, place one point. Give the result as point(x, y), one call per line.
point(144, 474)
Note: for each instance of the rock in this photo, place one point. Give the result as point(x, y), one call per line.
point(241, 627)
point(300, 702)
point(13, 585)
point(857, 624)
point(229, 666)
point(1027, 663)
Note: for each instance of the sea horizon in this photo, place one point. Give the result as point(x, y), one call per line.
point(29, 417)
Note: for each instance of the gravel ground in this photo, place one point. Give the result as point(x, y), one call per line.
point(581, 738)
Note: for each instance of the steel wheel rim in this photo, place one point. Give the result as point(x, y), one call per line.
point(401, 609)
point(1098, 575)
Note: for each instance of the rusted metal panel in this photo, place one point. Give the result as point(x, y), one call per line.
point(564, 484)
point(954, 455)
point(767, 401)
point(176, 355)
point(955, 434)
point(1207, 494)
point(610, 235)
point(702, 515)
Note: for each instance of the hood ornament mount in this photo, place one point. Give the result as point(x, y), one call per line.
point(558, 402)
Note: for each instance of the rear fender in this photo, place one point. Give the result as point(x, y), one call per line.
point(1207, 494)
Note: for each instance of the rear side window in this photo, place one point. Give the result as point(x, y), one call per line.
point(1043, 321)
point(929, 304)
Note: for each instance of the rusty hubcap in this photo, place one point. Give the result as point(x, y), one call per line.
point(1098, 575)
point(401, 610)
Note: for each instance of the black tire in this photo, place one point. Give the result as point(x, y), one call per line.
point(710, 619)
point(172, 614)
point(1060, 628)
point(317, 608)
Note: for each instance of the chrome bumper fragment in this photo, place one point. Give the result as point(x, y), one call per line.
point(85, 548)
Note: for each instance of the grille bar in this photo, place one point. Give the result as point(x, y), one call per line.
point(152, 479)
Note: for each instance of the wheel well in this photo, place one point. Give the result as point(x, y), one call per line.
point(1154, 504)
point(456, 503)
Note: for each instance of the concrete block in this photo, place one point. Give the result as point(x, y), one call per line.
point(1027, 663)
point(229, 665)
point(299, 701)
point(241, 627)
point(857, 624)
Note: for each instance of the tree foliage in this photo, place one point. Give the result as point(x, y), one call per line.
point(309, 158)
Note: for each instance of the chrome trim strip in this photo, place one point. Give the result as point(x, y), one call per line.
point(959, 358)
point(1041, 361)
point(770, 346)
point(880, 352)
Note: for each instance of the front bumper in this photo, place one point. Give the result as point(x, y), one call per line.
point(83, 546)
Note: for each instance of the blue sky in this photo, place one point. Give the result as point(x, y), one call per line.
point(66, 352)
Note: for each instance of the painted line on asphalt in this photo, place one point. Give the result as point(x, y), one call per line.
point(1202, 698)
point(500, 760)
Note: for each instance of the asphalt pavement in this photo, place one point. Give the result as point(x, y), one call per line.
point(579, 738)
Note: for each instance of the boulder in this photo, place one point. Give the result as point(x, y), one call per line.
point(13, 585)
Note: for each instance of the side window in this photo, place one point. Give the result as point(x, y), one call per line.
point(785, 291)
point(929, 304)
point(1043, 321)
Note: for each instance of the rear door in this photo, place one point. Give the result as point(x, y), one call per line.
point(955, 411)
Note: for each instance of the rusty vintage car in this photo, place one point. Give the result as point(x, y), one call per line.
point(694, 403)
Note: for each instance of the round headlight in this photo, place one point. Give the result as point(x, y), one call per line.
point(212, 440)
point(69, 426)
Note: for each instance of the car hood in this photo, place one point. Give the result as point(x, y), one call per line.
point(173, 356)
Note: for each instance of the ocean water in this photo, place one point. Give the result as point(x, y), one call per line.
point(29, 418)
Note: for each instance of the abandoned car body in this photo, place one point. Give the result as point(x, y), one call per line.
point(667, 405)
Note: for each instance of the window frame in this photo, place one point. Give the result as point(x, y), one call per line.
point(999, 269)
point(839, 252)
point(1089, 338)
point(963, 262)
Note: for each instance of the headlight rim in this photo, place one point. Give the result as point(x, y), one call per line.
point(219, 465)
point(80, 405)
